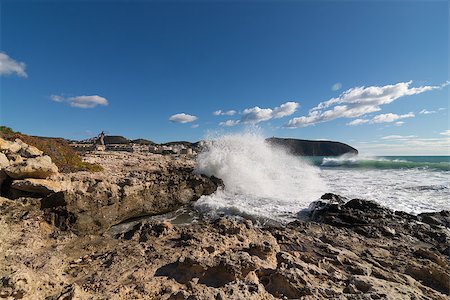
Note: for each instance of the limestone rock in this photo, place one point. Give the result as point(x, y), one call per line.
point(8, 146)
point(14, 158)
point(4, 162)
point(39, 167)
point(28, 150)
point(42, 187)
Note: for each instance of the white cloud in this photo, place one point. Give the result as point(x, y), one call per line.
point(182, 118)
point(285, 109)
point(390, 117)
point(398, 137)
point(409, 146)
point(447, 132)
point(357, 102)
point(229, 123)
point(358, 122)
point(427, 112)
point(57, 98)
point(224, 113)
point(441, 108)
point(9, 66)
point(81, 101)
point(336, 87)
point(256, 114)
point(382, 118)
point(194, 126)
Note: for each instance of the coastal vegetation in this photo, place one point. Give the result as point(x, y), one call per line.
point(61, 153)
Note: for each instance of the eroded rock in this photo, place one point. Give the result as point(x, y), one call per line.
point(38, 167)
point(41, 187)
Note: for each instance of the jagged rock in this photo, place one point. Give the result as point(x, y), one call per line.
point(42, 187)
point(224, 259)
point(4, 162)
point(28, 150)
point(9, 147)
point(39, 167)
point(130, 186)
point(14, 158)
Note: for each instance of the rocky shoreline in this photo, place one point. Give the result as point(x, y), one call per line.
point(55, 243)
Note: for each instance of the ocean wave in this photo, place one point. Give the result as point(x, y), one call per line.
point(260, 180)
point(382, 163)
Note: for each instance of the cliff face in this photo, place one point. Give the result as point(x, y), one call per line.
point(313, 148)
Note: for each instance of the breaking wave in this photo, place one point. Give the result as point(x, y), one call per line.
point(353, 161)
point(260, 181)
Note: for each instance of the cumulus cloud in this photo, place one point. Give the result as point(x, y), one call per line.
point(390, 117)
point(399, 123)
point(357, 102)
point(182, 118)
point(382, 118)
point(224, 113)
point(229, 123)
point(358, 122)
point(427, 112)
point(9, 66)
point(81, 101)
point(285, 109)
point(256, 114)
point(447, 132)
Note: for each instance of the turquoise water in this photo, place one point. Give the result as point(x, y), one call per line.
point(437, 163)
point(413, 184)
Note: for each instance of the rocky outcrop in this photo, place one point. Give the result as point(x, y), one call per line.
point(328, 257)
point(131, 185)
point(36, 186)
point(312, 148)
point(36, 167)
point(24, 170)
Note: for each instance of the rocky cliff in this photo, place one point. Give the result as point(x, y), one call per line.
point(312, 148)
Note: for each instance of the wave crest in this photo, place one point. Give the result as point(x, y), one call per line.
point(260, 180)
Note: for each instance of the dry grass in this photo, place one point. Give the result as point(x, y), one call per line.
point(62, 154)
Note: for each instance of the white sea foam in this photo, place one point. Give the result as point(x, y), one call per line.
point(410, 190)
point(260, 180)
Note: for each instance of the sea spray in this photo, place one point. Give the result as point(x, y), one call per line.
point(261, 181)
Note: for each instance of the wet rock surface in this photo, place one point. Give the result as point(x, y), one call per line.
point(331, 255)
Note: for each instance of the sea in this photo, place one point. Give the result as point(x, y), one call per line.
point(266, 183)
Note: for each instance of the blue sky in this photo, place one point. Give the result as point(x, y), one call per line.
point(369, 73)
